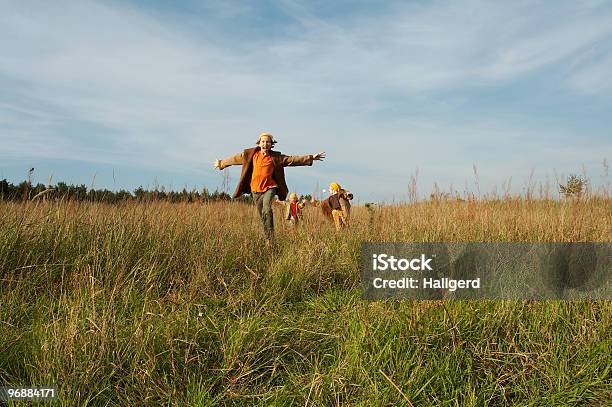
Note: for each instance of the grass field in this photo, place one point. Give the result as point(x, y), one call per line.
point(180, 304)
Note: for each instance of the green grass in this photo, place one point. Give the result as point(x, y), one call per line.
point(182, 305)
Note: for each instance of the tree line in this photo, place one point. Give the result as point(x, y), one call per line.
point(26, 191)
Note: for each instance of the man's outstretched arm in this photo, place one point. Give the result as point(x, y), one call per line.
point(296, 160)
point(233, 160)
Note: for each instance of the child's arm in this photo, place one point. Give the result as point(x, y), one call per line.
point(296, 160)
point(233, 160)
point(346, 208)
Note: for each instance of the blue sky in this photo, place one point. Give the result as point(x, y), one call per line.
point(122, 94)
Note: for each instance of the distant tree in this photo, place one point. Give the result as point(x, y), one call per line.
point(124, 195)
point(575, 186)
point(7, 190)
point(140, 194)
point(25, 191)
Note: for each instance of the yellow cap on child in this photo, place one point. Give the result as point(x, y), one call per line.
point(334, 186)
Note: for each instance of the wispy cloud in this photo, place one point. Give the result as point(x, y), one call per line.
point(110, 83)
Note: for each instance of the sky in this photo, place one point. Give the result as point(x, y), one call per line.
point(467, 95)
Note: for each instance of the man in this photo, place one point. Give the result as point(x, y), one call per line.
point(263, 176)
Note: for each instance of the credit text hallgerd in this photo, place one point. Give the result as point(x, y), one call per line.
point(384, 262)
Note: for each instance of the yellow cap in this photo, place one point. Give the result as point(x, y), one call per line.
point(334, 186)
point(293, 195)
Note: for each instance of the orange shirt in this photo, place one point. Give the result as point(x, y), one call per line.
point(263, 169)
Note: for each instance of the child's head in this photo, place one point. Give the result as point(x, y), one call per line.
point(334, 187)
point(265, 142)
point(293, 197)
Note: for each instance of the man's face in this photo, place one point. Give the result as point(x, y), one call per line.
point(265, 143)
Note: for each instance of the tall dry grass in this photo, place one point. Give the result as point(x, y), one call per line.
point(182, 304)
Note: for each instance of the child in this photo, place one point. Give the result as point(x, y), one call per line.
point(293, 211)
point(337, 206)
point(263, 176)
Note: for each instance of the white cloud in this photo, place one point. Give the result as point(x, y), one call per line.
point(551, 46)
point(161, 94)
point(594, 78)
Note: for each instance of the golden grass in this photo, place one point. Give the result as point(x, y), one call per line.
point(182, 304)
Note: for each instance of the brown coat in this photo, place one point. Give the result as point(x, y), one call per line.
point(280, 161)
point(344, 197)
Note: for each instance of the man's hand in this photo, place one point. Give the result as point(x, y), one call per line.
point(217, 164)
point(319, 157)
